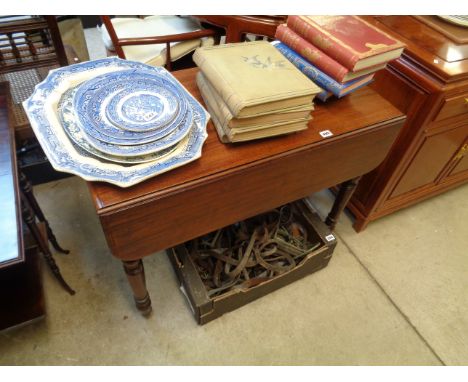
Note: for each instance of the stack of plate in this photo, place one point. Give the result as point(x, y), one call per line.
point(116, 121)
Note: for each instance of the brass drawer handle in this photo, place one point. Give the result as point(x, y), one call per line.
point(461, 152)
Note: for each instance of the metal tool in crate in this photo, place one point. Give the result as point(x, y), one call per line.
point(252, 251)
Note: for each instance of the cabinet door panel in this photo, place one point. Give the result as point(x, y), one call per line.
point(433, 156)
point(461, 166)
point(408, 98)
point(453, 106)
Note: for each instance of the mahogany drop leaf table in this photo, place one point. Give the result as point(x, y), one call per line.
point(346, 139)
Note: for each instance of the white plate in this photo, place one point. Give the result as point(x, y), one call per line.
point(41, 109)
point(76, 134)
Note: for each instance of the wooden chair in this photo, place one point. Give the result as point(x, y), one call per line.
point(155, 40)
point(30, 42)
point(241, 28)
point(29, 47)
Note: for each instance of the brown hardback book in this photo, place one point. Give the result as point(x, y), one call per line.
point(239, 135)
point(300, 114)
point(254, 78)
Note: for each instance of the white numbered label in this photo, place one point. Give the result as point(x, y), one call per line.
point(326, 133)
point(330, 237)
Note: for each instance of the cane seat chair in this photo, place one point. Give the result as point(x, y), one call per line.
point(154, 40)
point(29, 47)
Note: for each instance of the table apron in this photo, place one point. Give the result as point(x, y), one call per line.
point(153, 225)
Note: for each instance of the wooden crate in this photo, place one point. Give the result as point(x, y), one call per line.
point(206, 308)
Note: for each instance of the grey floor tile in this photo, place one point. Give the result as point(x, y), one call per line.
point(419, 256)
point(336, 316)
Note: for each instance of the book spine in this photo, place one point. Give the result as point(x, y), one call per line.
point(224, 89)
point(222, 111)
point(311, 53)
point(324, 95)
point(320, 39)
point(352, 90)
point(321, 79)
point(205, 93)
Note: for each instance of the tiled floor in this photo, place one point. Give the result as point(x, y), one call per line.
point(394, 294)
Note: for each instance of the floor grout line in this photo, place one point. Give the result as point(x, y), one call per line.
point(407, 319)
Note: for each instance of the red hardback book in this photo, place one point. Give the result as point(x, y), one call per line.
point(318, 58)
point(351, 41)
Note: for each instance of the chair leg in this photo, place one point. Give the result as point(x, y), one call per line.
point(29, 219)
point(28, 193)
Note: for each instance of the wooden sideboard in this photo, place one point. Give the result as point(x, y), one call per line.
point(429, 83)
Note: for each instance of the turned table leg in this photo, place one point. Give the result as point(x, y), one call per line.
point(29, 219)
point(28, 193)
point(136, 277)
point(344, 194)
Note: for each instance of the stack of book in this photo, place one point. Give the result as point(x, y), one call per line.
point(339, 53)
point(252, 91)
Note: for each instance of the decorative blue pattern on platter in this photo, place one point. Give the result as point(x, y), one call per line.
point(76, 134)
point(140, 109)
point(144, 108)
point(64, 156)
point(117, 149)
point(93, 96)
point(100, 92)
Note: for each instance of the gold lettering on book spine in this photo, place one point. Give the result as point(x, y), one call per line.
point(310, 54)
point(310, 72)
point(294, 40)
point(300, 27)
point(321, 42)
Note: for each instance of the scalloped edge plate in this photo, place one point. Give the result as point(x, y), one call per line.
point(41, 109)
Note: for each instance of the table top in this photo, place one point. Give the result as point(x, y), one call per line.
point(11, 250)
point(428, 46)
point(351, 115)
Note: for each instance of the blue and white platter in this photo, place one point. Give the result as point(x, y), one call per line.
point(95, 102)
point(91, 104)
point(142, 109)
point(114, 147)
point(72, 128)
point(69, 149)
point(133, 100)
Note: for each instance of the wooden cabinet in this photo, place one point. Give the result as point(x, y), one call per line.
point(435, 154)
point(429, 83)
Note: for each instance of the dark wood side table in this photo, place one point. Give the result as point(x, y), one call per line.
point(11, 234)
point(233, 182)
point(21, 295)
point(429, 83)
